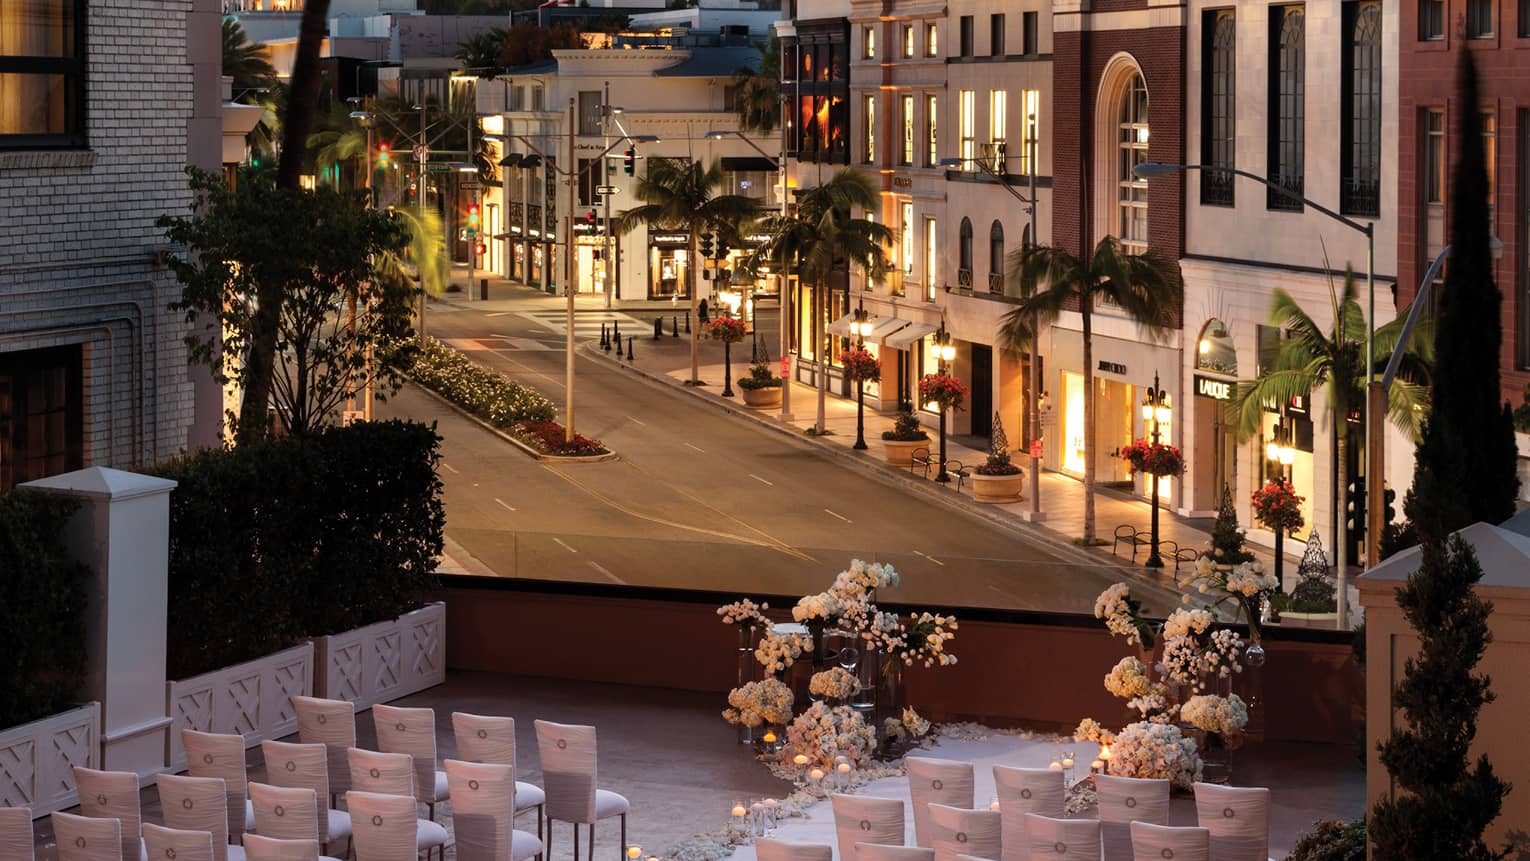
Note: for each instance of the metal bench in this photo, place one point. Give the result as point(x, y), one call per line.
point(955, 468)
point(1133, 536)
point(920, 458)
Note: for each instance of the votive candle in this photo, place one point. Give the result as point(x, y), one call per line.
point(634, 852)
point(816, 774)
point(1095, 767)
point(994, 804)
point(1055, 766)
point(770, 737)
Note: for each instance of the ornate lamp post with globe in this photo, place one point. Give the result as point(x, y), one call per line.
point(1153, 457)
point(862, 367)
point(729, 330)
point(944, 390)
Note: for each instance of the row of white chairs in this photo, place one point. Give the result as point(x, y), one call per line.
point(296, 809)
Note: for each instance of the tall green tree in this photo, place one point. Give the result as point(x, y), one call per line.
point(337, 140)
point(682, 195)
point(1146, 287)
point(245, 62)
point(822, 235)
point(1465, 468)
point(479, 53)
point(757, 89)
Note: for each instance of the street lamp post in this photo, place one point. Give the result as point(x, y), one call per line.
point(944, 352)
point(366, 118)
point(1155, 412)
point(1150, 170)
point(1281, 452)
point(861, 326)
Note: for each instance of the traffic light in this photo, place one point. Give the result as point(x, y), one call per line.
point(629, 161)
point(1388, 512)
point(706, 245)
point(382, 155)
point(1355, 522)
point(472, 220)
point(589, 217)
point(480, 249)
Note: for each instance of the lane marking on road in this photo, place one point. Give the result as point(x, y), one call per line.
point(507, 505)
point(527, 368)
point(702, 450)
point(837, 514)
point(602, 569)
point(450, 468)
point(500, 314)
point(761, 480)
point(563, 545)
point(929, 557)
point(636, 422)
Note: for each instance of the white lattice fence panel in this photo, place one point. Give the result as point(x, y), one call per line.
point(425, 647)
point(385, 661)
point(252, 699)
point(37, 760)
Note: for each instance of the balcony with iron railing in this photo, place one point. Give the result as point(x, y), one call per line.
point(1360, 195)
point(964, 279)
point(1292, 182)
point(996, 282)
point(1217, 188)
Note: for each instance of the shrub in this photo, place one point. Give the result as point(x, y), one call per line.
point(1331, 840)
point(906, 428)
point(548, 438)
point(1314, 595)
point(277, 541)
point(760, 377)
point(42, 618)
point(491, 396)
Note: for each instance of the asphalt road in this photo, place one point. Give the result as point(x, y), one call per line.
point(701, 499)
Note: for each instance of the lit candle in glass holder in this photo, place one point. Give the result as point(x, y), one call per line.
point(770, 737)
point(1067, 764)
point(1104, 759)
point(771, 812)
point(801, 761)
point(816, 775)
point(994, 804)
point(1055, 765)
point(842, 774)
point(1096, 766)
point(757, 813)
point(634, 852)
point(740, 816)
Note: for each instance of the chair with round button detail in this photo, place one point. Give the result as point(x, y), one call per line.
point(16, 833)
point(383, 826)
point(331, 723)
point(413, 731)
point(273, 849)
point(306, 766)
point(785, 850)
point(937, 781)
point(876, 852)
point(393, 774)
point(286, 813)
point(113, 795)
point(177, 844)
point(1238, 819)
point(866, 819)
point(1124, 800)
point(1021, 791)
point(487, 738)
point(568, 776)
point(221, 755)
point(955, 831)
point(88, 838)
point(198, 804)
point(483, 813)
point(1062, 839)
point(1163, 843)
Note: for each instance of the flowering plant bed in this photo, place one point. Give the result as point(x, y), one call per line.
point(1277, 506)
point(944, 389)
point(860, 365)
point(1154, 458)
point(486, 394)
point(548, 438)
point(729, 330)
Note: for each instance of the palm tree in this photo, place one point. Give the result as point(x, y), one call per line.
point(479, 53)
point(757, 89)
point(336, 140)
point(1145, 286)
point(245, 61)
point(820, 235)
point(681, 195)
point(1335, 362)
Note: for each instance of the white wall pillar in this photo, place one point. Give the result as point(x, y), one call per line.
point(122, 531)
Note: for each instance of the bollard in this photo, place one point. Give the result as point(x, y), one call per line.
point(658, 328)
point(605, 341)
point(674, 327)
point(616, 333)
point(687, 322)
point(629, 349)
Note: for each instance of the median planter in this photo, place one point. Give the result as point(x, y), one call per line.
point(996, 489)
point(383, 661)
point(37, 759)
point(763, 399)
point(252, 699)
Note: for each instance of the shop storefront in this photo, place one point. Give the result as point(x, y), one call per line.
point(817, 307)
point(1212, 462)
point(517, 271)
point(667, 265)
point(589, 260)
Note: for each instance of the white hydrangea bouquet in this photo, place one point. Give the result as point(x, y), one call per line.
point(823, 732)
point(1155, 750)
point(835, 683)
point(759, 703)
point(1218, 715)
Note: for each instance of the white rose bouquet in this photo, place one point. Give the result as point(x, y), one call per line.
point(810, 607)
point(1120, 611)
point(835, 683)
point(1089, 729)
point(823, 732)
point(756, 703)
point(776, 651)
point(745, 612)
point(1155, 750)
point(1225, 716)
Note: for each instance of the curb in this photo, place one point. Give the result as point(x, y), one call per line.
point(535, 455)
point(1034, 533)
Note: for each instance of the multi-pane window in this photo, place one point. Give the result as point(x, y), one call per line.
point(1479, 19)
point(966, 128)
point(1431, 20)
point(1029, 39)
point(42, 73)
point(1360, 126)
point(931, 131)
point(931, 40)
point(908, 40)
point(996, 35)
point(41, 414)
point(996, 257)
point(1490, 159)
point(589, 112)
point(966, 36)
point(1288, 104)
point(869, 42)
point(1434, 156)
point(869, 142)
point(517, 98)
point(964, 252)
point(1219, 130)
point(906, 153)
point(1030, 131)
point(906, 227)
point(538, 97)
point(931, 252)
point(1132, 147)
point(998, 118)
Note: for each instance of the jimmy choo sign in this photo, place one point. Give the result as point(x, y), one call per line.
point(1217, 390)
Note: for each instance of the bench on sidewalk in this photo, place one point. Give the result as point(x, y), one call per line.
point(955, 469)
point(1144, 538)
point(920, 458)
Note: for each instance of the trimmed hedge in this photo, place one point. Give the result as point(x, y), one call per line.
point(278, 541)
point(42, 615)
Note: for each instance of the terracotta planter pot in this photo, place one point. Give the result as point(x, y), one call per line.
point(997, 488)
point(901, 453)
point(765, 398)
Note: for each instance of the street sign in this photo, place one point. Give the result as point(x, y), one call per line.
point(438, 167)
point(607, 189)
point(1036, 449)
point(421, 152)
point(470, 184)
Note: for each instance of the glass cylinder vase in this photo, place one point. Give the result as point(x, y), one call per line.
point(1216, 757)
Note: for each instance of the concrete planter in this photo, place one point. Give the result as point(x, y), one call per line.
point(383, 661)
point(901, 453)
point(37, 759)
point(765, 398)
point(996, 488)
point(1309, 620)
point(253, 699)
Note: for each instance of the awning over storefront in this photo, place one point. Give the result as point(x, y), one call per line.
point(907, 335)
point(881, 327)
point(841, 327)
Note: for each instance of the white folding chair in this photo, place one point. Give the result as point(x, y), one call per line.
point(1062, 839)
point(1238, 819)
point(177, 844)
point(393, 774)
point(197, 804)
point(568, 776)
point(286, 813)
point(113, 795)
point(1124, 800)
point(261, 848)
point(864, 819)
point(483, 813)
point(879, 852)
point(331, 723)
point(16, 839)
point(783, 850)
point(219, 755)
point(385, 826)
point(1158, 842)
point(87, 838)
point(486, 738)
point(1022, 791)
point(955, 831)
point(937, 781)
point(413, 731)
point(306, 766)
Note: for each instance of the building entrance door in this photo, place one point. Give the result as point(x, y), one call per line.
point(982, 390)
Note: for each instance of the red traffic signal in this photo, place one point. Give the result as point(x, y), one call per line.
point(590, 216)
point(480, 249)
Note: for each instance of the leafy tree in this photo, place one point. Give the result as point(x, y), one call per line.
point(757, 89)
point(527, 43)
point(682, 195)
point(1146, 286)
point(336, 140)
point(480, 52)
point(245, 61)
point(317, 247)
point(823, 235)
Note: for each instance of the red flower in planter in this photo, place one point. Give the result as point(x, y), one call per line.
point(860, 365)
point(1277, 506)
point(729, 330)
point(943, 389)
point(1154, 458)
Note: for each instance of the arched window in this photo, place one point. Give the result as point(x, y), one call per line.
point(1132, 147)
point(1215, 351)
point(965, 247)
point(996, 257)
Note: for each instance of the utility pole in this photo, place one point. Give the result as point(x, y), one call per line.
point(568, 282)
point(605, 180)
point(1035, 515)
point(783, 295)
point(472, 241)
point(421, 153)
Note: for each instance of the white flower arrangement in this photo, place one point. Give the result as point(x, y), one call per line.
point(776, 651)
point(1188, 661)
point(1119, 610)
point(1224, 716)
point(488, 394)
point(823, 732)
point(911, 725)
point(1250, 580)
point(923, 641)
point(757, 703)
point(1127, 679)
point(820, 606)
point(1089, 729)
point(1155, 750)
point(835, 683)
point(1184, 621)
point(745, 612)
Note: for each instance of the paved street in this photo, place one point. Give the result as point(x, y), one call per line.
point(702, 499)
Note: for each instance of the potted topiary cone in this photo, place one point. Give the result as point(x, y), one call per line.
point(762, 389)
point(907, 434)
point(998, 480)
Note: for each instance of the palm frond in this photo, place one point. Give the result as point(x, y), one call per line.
point(1251, 397)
